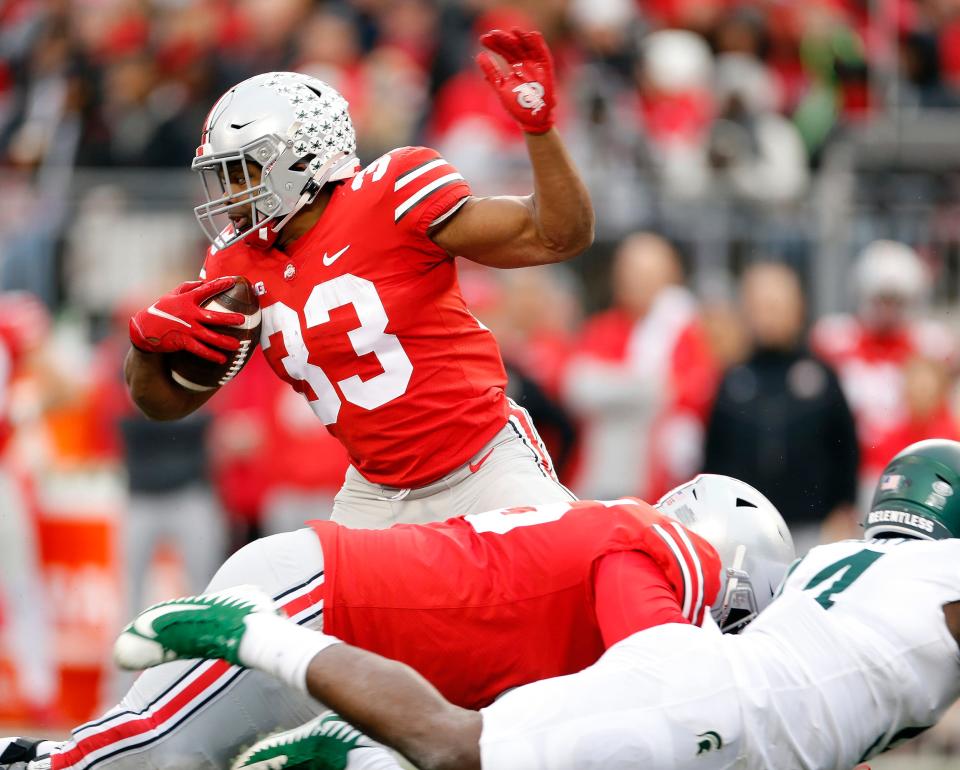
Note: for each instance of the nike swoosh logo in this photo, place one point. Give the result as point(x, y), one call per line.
point(331, 259)
point(143, 623)
point(474, 467)
point(242, 125)
point(153, 310)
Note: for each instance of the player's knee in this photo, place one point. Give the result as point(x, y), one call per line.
point(274, 563)
point(246, 565)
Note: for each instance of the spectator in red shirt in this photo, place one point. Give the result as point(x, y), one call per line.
point(926, 387)
point(871, 348)
point(643, 378)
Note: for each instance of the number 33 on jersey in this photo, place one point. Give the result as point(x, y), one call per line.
point(363, 315)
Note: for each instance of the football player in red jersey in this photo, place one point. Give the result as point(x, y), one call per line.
point(362, 312)
point(856, 655)
point(477, 605)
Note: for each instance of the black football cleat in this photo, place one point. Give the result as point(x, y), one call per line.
point(25, 753)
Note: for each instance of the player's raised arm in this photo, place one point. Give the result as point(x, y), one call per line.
point(556, 222)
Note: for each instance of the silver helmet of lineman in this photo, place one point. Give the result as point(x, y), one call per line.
point(751, 538)
point(296, 129)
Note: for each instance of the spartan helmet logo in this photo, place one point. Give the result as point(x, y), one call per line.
point(711, 741)
point(530, 96)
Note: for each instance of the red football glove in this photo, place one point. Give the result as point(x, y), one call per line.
point(526, 90)
point(176, 322)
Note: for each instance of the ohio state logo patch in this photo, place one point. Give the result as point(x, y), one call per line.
point(530, 96)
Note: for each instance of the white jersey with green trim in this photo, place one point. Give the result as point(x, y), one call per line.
point(853, 657)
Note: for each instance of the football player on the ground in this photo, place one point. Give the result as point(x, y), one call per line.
point(858, 653)
point(478, 605)
point(361, 308)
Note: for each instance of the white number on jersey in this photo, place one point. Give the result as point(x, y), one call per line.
point(503, 520)
point(369, 337)
point(375, 170)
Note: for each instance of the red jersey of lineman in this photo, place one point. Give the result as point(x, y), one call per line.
point(363, 315)
point(504, 597)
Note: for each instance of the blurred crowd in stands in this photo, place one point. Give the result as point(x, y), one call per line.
point(751, 89)
point(637, 377)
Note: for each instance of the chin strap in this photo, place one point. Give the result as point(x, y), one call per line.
point(347, 169)
point(309, 193)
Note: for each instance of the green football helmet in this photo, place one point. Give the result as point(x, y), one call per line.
point(918, 494)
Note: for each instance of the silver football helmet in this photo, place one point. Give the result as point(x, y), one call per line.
point(751, 538)
point(296, 128)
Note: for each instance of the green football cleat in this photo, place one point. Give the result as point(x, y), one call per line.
point(323, 743)
point(206, 626)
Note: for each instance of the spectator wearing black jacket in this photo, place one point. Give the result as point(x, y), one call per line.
point(780, 421)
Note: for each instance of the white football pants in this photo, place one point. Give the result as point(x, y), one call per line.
point(199, 716)
point(513, 468)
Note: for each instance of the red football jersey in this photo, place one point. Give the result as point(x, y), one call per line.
point(363, 315)
point(495, 600)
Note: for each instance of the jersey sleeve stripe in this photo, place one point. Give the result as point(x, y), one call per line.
point(429, 189)
point(449, 213)
point(694, 557)
point(417, 171)
point(672, 544)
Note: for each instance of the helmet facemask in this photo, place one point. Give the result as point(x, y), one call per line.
point(737, 604)
point(257, 202)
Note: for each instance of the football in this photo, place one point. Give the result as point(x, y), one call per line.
point(195, 373)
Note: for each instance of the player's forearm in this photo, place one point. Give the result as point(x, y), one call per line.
point(153, 390)
point(562, 207)
point(393, 704)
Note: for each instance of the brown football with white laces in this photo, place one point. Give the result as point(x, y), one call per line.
point(195, 373)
